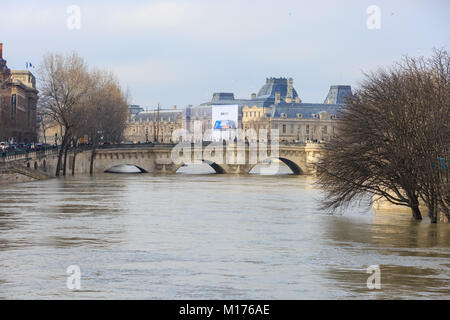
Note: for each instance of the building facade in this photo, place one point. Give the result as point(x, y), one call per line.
point(18, 104)
point(153, 126)
point(277, 105)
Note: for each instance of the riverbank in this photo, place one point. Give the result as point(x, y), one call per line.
point(7, 178)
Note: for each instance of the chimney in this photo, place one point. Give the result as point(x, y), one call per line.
point(290, 88)
point(174, 107)
point(253, 95)
point(1, 50)
point(277, 98)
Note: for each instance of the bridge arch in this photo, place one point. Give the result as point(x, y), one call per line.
point(111, 169)
point(218, 169)
point(292, 165)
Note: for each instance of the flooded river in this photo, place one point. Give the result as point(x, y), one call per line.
point(209, 237)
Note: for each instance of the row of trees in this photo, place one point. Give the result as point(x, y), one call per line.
point(82, 102)
point(393, 139)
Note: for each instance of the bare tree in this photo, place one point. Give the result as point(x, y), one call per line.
point(80, 128)
point(390, 138)
point(64, 81)
point(428, 84)
point(106, 110)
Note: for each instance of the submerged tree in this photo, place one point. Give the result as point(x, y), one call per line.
point(106, 111)
point(82, 102)
point(392, 139)
point(64, 81)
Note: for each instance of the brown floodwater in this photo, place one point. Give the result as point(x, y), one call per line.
point(211, 236)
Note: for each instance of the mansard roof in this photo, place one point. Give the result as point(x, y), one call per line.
point(281, 85)
point(338, 94)
point(291, 110)
point(164, 115)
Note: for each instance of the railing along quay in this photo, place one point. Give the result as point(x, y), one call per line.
point(25, 154)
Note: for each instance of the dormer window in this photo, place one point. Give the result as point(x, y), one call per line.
point(314, 115)
point(299, 115)
point(284, 115)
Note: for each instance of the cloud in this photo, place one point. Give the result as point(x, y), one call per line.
point(29, 18)
point(97, 17)
point(157, 71)
point(144, 17)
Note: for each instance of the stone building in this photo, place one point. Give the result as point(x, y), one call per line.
point(276, 106)
point(18, 104)
point(297, 121)
point(154, 125)
point(50, 132)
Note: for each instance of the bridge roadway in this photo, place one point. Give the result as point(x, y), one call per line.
point(168, 158)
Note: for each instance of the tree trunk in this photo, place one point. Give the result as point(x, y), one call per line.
point(60, 154)
point(414, 203)
point(75, 151)
point(433, 216)
point(65, 158)
point(416, 212)
point(91, 168)
point(73, 162)
point(432, 210)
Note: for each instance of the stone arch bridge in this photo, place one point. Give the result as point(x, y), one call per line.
point(231, 159)
point(166, 158)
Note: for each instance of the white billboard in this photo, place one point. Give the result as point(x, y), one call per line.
point(224, 120)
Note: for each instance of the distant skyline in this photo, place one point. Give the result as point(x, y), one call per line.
point(181, 52)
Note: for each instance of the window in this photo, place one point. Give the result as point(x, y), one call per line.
point(292, 128)
point(284, 128)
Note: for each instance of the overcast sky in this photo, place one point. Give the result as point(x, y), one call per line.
point(180, 52)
